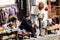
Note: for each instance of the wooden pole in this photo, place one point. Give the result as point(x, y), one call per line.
point(49, 8)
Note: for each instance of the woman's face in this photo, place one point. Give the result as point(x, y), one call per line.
point(28, 18)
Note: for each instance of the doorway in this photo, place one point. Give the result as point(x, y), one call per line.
point(22, 9)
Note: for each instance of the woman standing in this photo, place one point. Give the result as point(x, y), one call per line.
point(38, 12)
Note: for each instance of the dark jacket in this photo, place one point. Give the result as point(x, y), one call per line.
point(26, 24)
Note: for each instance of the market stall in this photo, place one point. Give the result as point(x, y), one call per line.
point(54, 29)
point(8, 31)
point(8, 20)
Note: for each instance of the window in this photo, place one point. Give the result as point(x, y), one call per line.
point(33, 2)
point(21, 4)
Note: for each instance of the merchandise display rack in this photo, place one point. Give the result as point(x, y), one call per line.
point(8, 34)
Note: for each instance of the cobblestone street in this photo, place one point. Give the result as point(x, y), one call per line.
point(46, 37)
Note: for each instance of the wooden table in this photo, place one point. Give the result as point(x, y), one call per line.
point(49, 29)
point(9, 35)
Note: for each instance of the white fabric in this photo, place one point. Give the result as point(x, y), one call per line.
point(50, 20)
point(36, 11)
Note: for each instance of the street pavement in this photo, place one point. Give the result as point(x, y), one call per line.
point(46, 37)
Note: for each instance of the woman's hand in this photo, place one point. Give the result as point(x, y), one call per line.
point(32, 25)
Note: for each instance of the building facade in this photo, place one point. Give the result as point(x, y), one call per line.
point(23, 7)
point(55, 10)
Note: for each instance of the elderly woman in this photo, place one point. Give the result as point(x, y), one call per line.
point(28, 26)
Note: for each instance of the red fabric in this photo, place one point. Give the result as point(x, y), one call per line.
point(28, 33)
point(46, 9)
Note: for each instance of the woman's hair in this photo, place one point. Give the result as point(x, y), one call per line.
point(41, 5)
point(12, 19)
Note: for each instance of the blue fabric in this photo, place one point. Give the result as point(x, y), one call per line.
point(48, 23)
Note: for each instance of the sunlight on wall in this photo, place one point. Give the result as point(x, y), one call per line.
point(7, 2)
point(37, 1)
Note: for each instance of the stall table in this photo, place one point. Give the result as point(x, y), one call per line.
point(49, 29)
point(12, 35)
